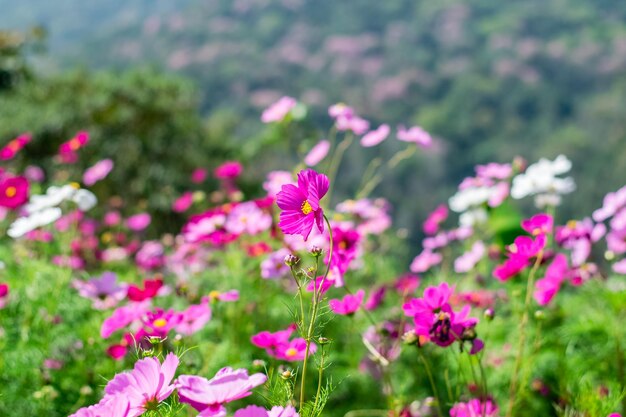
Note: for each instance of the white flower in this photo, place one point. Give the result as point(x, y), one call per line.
point(52, 198)
point(31, 222)
point(470, 197)
point(473, 217)
point(541, 179)
point(84, 199)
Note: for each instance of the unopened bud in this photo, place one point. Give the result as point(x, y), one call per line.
point(539, 315)
point(323, 340)
point(489, 314)
point(410, 337)
point(469, 333)
point(291, 260)
point(315, 251)
point(259, 363)
point(286, 374)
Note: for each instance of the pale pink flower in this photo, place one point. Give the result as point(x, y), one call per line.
point(194, 318)
point(620, 267)
point(375, 137)
point(109, 406)
point(416, 135)
point(209, 396)
point(279, 110)
point(247, 218)
point(424, 261)
point(146, 385)
point(122, 317)
point(468, 260)
point(97, 172)
point(275, 181)
point(317, 153)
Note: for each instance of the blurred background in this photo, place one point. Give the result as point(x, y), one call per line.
point(166, 86)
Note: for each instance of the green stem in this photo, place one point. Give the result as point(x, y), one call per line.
point(522, 338)
point(431, 380)
point(336, 161)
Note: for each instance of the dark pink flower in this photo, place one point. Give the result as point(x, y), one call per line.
point(375, 298)
point(13, 147)
point(548, 286)
point(138, 222)
point(348, 305)
point(438, 216)
point(538, 224)
point(183, 202)
point(301, 204)
point(294, 351)
point(475, 408)
point(199, 175)
point(13, 191)
point(228, 170)
point(510, 268)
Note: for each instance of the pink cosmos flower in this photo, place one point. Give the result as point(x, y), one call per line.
point(13, 191)
point(151, 288)
point(247, 218)
point(122, 317)
point(103, 291)
point(34, 173)
point(407, 284)
point(435, 298)
point(620, 267)
point(475, 408)
point(348, 305)
point(320, 284)
point(279, 110)
point(510, 268)
point(97, 172)
point(151, 255)
point(375, 137)
point(146, 385)
point(340, 110)
point(183, 202)
point(275, 181)
point(424, 261)
point(416, 135)
point(138, 222)
point(194, 318)
point(538, 224)
point(226, 296)
point(109, 406)
point(68, 150)
point(468, 260)
point(438, 216)
point(301, 204)
point(228, 170)
point(4, 294)
point(317, 153)
point(13, 147)
point(494, 170)
point(209, 396)
point(268, 340)
point(276, 411)
point(274, 265)
point(548, 286)
point(294, 351)
point(375, 298)
point(199, 175)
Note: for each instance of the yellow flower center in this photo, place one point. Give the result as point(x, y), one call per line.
point(158, 323)
point(14, 145)
point(291, 352)
point(306, 207)
point(572, 224)
point(214, 295)
point(75, 185)
point(10, 192)
point(74, 144)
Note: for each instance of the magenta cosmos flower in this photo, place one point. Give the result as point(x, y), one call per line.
point(348, 305)
point(109, 406)
point(209, 395)
point(146, 385)
point(256, 411)
point(475, 408)
point(301, 204)
point(13, 147)
point(13, 191)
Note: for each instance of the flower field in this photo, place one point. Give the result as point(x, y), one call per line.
point(282, 299)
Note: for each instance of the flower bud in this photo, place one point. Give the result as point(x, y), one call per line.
point(539, 315)
point(315, 251)
point(489, 314)
point(286, 374)
point(410, 338)
point(291, 260)
point(323, 340)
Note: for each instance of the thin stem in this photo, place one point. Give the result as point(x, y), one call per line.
point(336, 161)
point(315, 308)
point(319, 379)
point(432, 381)
point(522, 338)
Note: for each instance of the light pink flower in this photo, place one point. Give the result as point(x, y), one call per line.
point(209, 396)
point(256, 411)
point(317, 153)
point(138, 222)
point(620, 267)
point(416, 135)
point(435, 218)
point(375, 137)
point(122, 317)
point(97, 172)
point(194, 318)
point(279, 110)
point(275, 181)
point(424, 261)
point(468, 260)
point(109, 406)
point(247, 218)
point(146, 385)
